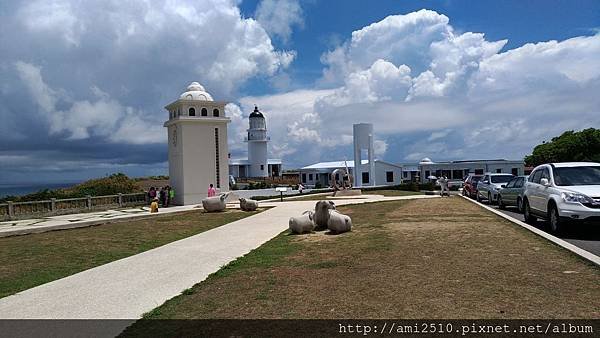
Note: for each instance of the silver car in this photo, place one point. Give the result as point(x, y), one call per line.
point(489, 186)
point(511, 193)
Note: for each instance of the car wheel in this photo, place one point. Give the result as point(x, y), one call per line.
point(490, 202)
point(530, 219)
point(519, 204)
point(478, 197)
point(556, 224)
point(500, 203)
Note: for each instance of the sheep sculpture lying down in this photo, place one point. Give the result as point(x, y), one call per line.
point(322, 214)
point(248, 204)
point(302, 224)
point(324, 217)
point(215, 203)
point(338, 223)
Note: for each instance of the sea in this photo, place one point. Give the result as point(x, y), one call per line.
point(9, 189)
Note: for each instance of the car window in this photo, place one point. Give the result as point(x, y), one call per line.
point(546, 174)
point(511, 184)
point(584, 175)
point(535, 177)
point(501, 178)
point(519, 182)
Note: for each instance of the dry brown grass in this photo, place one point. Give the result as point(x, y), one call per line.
point(426, 258)
point(368, 192)
point(30, 260)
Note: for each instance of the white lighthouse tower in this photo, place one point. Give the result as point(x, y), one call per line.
point(257, 145)
point(197, 129)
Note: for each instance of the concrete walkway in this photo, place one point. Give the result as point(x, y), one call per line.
point(43, 224)
point(130, 287)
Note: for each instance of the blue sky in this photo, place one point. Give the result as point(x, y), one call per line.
point(84, 83)
point(327, 22)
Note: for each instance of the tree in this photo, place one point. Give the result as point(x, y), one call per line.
point(571, 146)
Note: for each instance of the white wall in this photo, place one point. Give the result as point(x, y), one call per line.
point(381, 177)
point(192, 161)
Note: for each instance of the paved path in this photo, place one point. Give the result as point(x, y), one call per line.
point(43, 224)
point(130, 287)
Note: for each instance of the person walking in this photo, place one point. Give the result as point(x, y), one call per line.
point(151, 194)
point(212, 191)
point(443, 182)
point(154, 205)
point(171, 194)
point(163, 197)
point(167, 195)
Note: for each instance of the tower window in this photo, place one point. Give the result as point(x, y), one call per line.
point(204, 112)
point(262, 167)
point(192, 111)
point(215, 112)
point(389, 176)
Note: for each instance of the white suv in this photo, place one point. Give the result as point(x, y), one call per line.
point(560, 192)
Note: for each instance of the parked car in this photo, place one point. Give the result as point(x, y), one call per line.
point(489, 185)
point(563, 192)
point(470, 186)
point(511, 193)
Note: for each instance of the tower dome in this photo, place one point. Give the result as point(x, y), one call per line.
point(196, 91)
point(256, 113)
point(426, 160)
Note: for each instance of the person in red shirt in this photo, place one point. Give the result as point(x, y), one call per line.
point(212, 191)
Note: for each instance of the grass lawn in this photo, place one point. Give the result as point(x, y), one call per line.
point(369, 192)
point(426, 258)
point(34, 259)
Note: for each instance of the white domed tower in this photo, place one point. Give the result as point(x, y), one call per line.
point(197, 129)
point(257, 144)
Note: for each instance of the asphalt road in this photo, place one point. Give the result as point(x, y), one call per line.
point(586, 236)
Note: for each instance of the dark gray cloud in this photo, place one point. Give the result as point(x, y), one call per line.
point(84, 83)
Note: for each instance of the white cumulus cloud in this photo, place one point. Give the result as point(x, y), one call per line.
point(279, 17)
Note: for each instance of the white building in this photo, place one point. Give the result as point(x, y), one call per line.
point(457, 170)
point(257, 164)
point(384, 173)
point(366, 172)
point(197, 130)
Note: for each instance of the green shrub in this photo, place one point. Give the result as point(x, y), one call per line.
point(111, 185)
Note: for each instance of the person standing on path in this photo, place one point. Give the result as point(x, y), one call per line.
point(171, 194)
point(212, 191)
point(443, 182)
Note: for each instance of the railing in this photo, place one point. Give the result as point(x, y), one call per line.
point(19, 210)
point(269, 180)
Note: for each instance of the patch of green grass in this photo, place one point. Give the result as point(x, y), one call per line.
point(34, 259)
point(323, 265)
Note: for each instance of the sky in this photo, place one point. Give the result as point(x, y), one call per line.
point(83, 84)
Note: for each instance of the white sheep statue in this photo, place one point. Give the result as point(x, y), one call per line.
point(302, 224)
point(321, 215)
point(338, 223)
point(215, 203)
point(248, 204)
